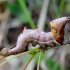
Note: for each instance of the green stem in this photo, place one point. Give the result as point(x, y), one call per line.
point(30, 51)
point(13, 57)
point(26, 11)
point(29, 61)
point(39, 60)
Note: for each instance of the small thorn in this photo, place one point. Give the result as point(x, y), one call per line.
point(24, 28)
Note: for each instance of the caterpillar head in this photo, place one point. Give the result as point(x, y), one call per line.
point(4, 52)
point(57, 27)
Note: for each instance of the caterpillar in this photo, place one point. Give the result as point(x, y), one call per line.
point(43, 39)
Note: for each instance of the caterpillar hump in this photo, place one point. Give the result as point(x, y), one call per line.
point(57, 28)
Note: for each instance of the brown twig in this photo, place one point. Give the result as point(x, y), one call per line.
point(39, 61)
point(29, 62)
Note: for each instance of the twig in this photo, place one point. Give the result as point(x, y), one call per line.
point(30, 51)
point(62, 59)
point(39, 61)
point(13, 57)
point(29, 62)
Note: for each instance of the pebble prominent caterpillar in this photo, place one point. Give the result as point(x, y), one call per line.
point(43, 39)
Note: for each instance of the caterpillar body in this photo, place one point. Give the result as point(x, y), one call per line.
point(43, 39)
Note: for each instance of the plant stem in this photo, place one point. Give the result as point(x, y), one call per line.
point(13, 57)
point(26, 11)
point(39, 61)
point(29, 61)
point(34, 51)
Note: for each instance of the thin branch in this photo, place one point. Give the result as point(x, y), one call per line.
point(39, 61)
point(13, 57)
point(33, 50)
point(62, 58)
point(29, 62)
